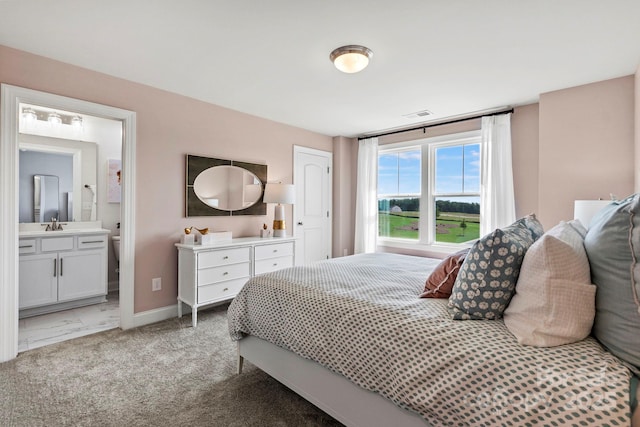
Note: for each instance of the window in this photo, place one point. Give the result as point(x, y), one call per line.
point(399, 173)
point(429, 191)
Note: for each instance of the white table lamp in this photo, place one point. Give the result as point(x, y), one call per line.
point(282, 194)
point(585, 210)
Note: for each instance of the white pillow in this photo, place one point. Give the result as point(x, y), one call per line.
point(554, 303)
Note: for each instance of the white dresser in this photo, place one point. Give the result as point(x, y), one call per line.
point(209, 274)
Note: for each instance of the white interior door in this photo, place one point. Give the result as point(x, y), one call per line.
point(312, 210)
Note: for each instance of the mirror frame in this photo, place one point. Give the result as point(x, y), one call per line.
point(196, 207)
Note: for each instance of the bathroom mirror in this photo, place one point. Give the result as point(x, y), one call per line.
point(75, 165)
point(46, 203)
point(218, 187)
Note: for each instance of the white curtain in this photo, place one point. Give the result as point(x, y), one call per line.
point(366, 223)
point(497, 202)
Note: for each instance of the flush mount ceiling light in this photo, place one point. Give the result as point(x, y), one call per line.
point(351, 58)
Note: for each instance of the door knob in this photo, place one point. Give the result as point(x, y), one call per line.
point(299, 222)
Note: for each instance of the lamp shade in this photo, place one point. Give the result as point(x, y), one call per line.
point(280, 193)
point(585, 210)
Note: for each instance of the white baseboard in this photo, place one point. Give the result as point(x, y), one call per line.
point(155, 315)
point(163, 313)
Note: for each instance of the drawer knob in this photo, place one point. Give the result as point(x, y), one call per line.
point(275, 264)
point(225, 257)
point(225, 289)
point(275, 250)
point(225, 273)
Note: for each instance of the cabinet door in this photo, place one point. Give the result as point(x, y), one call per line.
point(82, 274)
point(38, 280)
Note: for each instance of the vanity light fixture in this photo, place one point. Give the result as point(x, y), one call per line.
point(54, 119)
point(31, 116)
point(351, 58)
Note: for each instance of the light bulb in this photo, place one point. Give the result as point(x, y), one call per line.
point(76, 122)
point(54, 119)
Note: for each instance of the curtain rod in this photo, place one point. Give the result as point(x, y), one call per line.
point(448, 122)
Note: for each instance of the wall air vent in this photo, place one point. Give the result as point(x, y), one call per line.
point(417, 114)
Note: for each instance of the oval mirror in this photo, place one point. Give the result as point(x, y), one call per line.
point(228, 188)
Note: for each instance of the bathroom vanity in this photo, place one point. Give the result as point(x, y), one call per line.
point(62, 269)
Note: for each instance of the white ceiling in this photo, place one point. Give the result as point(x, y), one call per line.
point(271, 58)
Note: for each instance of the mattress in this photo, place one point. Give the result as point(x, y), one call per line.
point(360, 316)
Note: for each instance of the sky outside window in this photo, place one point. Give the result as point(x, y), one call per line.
point(458, 169)
point(399, 172)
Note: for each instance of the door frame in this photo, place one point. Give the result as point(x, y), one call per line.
point(298, 149)
point(11, 97)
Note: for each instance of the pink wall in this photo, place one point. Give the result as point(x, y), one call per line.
point(345, 152)
point(586, 146)
point(168, 127)
point(524, 152)
point(465, 126)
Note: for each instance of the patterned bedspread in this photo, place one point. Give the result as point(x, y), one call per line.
point(361, 317)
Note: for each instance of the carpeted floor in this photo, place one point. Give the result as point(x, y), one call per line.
point(165, 374)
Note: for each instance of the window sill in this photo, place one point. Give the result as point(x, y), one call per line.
point(411, 247)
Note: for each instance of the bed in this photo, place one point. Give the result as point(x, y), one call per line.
point(351, 336)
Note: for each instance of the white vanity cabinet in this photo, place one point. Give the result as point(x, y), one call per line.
point(58, 272)
point(38, 280)
point(208, 274)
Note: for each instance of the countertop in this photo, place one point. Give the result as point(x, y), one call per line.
point(63, 232)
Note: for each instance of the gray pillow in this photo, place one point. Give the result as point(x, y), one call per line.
point(487, 278)
point(613, 247)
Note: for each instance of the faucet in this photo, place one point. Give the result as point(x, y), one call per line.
point(54, 225)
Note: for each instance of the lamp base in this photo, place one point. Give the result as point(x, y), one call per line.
point(279, 227)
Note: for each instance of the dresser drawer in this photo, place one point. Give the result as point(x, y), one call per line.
point(223, 257)
point(274, 250)
point(207, 276)
point(92, 242)
point(56, 244)
point(27, 246)
point(273, 264)
point(220, 291)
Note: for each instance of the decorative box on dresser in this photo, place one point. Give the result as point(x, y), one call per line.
point(209, 274)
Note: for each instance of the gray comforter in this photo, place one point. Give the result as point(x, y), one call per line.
point(361, 317)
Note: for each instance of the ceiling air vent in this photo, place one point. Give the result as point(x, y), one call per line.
point(417, 114)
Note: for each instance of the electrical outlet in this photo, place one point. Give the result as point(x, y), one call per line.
point(156, 284)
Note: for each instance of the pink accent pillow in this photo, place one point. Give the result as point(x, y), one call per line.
point(441, 280)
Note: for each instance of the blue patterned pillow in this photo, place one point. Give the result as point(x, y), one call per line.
point(531, 222)
point(488, 276)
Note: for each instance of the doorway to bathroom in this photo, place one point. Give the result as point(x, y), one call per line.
point(13, 99)
point(69, 172)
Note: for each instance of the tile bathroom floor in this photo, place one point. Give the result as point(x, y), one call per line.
point(38, 331)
